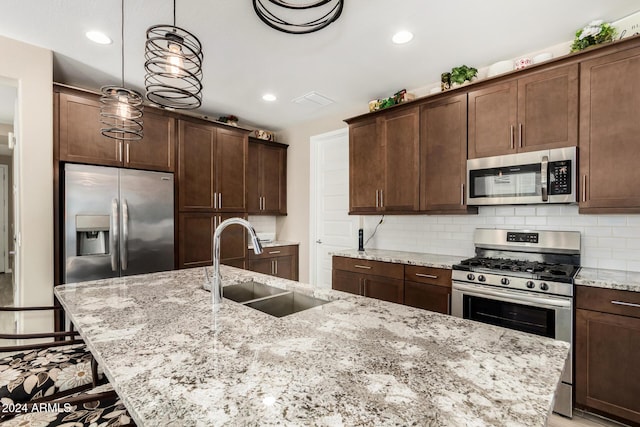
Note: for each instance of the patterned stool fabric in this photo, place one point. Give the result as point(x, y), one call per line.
point(40, 373)
point(103, 412)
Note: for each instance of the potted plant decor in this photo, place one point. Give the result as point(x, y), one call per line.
point(594, 33)
point(462, 75)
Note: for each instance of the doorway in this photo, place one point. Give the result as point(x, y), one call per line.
point(332, 228)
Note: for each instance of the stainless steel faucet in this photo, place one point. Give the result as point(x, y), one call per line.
point(216, 288)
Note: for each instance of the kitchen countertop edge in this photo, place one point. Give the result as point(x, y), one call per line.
point(402, 257)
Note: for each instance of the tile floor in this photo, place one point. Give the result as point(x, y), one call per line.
point(581, 419)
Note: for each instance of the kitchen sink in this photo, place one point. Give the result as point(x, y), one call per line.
point(285, 304)
point(250, 291)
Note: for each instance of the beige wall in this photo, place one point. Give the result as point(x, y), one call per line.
point(8, 160)
point(295, 226)
point(32, 68)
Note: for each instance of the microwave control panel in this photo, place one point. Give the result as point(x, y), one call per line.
point(560, 177)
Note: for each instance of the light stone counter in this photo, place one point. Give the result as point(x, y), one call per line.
point(353, 361)
point(609, 279)
point(400, 257)
point(275, 243)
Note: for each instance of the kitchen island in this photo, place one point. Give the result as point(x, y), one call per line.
point(353, 361)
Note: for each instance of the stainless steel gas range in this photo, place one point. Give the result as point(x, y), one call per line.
point(522, 280)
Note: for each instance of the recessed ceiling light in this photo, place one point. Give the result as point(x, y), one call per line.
point(269, 97)
point(402, 37)
point(98, 37)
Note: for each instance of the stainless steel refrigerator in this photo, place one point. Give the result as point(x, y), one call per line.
point(117, 222)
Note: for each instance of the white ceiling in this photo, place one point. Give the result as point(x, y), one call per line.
point(351, 61)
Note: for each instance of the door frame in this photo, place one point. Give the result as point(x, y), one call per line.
point(4, 230)
point(316, 141)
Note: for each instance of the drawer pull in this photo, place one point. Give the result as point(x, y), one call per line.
point(274, 252)
point(627, 304)
point(366, 267)
point(428, 276)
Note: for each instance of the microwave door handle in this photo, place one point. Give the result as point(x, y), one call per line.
point(544, 171)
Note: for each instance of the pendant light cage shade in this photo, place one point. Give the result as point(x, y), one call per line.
point(121, 113)
point(298, 17)
point(173, 65)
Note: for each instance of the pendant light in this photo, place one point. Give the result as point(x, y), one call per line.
point(121, 108)
point(311, 16)
point(173, 65)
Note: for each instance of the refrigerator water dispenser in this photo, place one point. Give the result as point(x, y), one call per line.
point(92, 234)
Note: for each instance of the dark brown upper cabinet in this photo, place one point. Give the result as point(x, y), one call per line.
point(535, 112)
point(79, 138)
point(267, 178)
point(211, 167)
point(609, 132)
point(443, 155)
point(383, 162)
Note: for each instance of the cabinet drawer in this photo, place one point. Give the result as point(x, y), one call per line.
point(611, 301)
point(428, 275)
point(274, 251)
point(363, 266)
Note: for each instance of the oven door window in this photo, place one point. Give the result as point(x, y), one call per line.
point(510, 181)
point(525, 318)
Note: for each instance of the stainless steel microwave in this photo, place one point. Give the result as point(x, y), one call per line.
point(547, 176)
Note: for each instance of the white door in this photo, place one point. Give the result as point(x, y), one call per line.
point(332, 228)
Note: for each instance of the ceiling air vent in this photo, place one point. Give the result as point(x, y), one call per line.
point(313, 99)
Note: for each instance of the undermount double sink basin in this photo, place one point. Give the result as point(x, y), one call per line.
point(269, 299)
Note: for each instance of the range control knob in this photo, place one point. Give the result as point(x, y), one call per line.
point(471, 277)
point(504, 281)
point(481, 278)
point(530, 284)
point(544, 286)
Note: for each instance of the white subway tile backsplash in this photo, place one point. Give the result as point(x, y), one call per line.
point(608, 241)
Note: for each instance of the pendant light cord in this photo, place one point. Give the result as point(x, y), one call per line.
point(174, 13)
point(122, 39)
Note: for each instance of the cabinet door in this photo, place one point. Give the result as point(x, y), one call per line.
point(443, 154)
point(262, 265)
point(231, 154)
point(607, 374)
point(347, 281)
point(384, 288)
point(400, 139)
point(195, 239)
point(80, 138)
point(156, 150)
point(254, 178)
point(492, 120)
point(429, 297)
point(609, 129)
point(274, 177)
point(286, 268)
point(548, 109)
point(366, 167)
point(196, 166)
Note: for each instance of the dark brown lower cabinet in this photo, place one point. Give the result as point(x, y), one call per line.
point(428, 288)
point(387, 284)
point(607, 349)
point(195, 240)
point(279, 261)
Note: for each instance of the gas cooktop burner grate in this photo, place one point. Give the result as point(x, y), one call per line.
point(506, 266)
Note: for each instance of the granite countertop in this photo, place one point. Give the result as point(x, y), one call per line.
point(609, 279)
point(400, 257)
point(353, 361)
point(275, 243)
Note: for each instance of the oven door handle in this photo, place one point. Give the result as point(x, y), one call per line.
point(510, 296)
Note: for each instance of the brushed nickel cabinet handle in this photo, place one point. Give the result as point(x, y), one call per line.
point(520, 136)
point(215, 200)
point(512, 137)
point(462, 194)
point(626, 304)
point(275, 261)
point(428, 276)
point(584, 188)
point(366, 267)
point(127, 154)
point(275, 252)
point(376, 198)
point(120, 151)
point(219, 200)
point(381, 199)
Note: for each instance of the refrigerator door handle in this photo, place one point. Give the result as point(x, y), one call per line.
point(113, 240)
point(124, 253)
